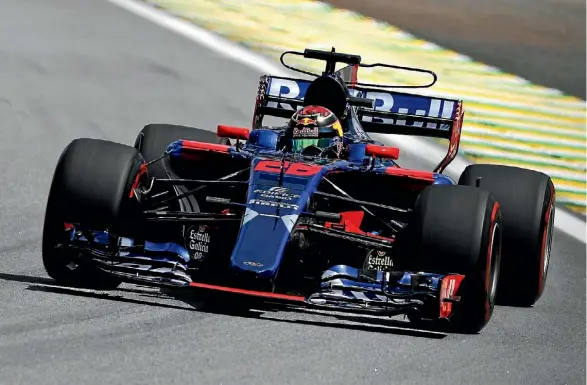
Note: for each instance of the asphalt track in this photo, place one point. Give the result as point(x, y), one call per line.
point(71, 68)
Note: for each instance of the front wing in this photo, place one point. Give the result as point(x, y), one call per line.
point(342, 287)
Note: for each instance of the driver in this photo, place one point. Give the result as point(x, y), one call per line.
point(314, 129)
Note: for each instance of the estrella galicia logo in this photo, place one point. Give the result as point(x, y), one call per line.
point(378, 260)
point(198, 241)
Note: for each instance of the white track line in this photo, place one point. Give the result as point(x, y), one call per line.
point(564, 221)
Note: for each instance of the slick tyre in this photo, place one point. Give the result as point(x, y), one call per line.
point(153, 140)
point(92, 186)
point(457, 229)
point(527, 201)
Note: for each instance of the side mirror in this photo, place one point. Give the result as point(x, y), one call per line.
point(232, 132)
point(382, 151)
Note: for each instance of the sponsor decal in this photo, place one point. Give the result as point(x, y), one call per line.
point(253, 263)
point(273, 204)
point(378, 260)
point(384, 101)
point(249, 215)
point(305, 132)
point(282, 193)
point(198, 241)
point(307, 121)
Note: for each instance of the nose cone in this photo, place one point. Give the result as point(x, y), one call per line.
point(270, 217)
point(278, 193)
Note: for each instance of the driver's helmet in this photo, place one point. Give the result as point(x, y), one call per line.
point(314, 126)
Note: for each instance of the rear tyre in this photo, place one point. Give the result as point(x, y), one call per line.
point(527, 201)
point(457, 229)
point(153, 140)
point(91, 186)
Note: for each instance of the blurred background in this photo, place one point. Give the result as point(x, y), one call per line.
point(105, 68)
point(519, 65)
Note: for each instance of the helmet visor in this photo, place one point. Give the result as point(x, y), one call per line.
point(300, 144)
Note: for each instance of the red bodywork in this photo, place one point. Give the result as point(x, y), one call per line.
point(455, 139)
point(382, 151)
point(291, 168)
point(232, 132)
point(351, 222)
point(203, 146)
point(448, 288)
point(253, 293)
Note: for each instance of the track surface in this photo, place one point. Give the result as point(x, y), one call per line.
point(541, 40)
point(71, 68)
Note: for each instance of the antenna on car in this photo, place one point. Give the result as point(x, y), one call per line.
point(330, 64)
point(332, 57)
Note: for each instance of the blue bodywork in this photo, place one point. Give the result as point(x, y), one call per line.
point(268, 220)
point(279, 189)
point(275, 201)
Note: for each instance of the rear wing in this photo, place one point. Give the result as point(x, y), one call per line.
point(379, 111)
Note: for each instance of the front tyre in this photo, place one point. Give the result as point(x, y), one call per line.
point(92, 186)
point(457, 229)
point(527, 201)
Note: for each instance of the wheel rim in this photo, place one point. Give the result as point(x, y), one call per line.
point(548, 246)
point(494, 266)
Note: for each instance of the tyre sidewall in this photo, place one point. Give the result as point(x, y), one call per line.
point(527, 200)
point(90, 188)
point(451, 232)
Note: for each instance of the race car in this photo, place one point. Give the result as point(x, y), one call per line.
point(312, 211)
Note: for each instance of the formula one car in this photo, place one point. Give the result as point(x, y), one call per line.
point(312, 212)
